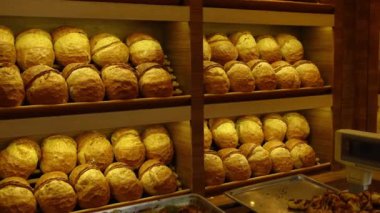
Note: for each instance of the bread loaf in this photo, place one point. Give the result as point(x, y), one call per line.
point(16, 195)
point(287, 77)
point(34, 47)
point(84, 82)
point(44, 85)
point(71, 45)
point(274, 127)
point(235, 164)
point(240, 76)
point(54, 193)
point(11, 86)
point(246, 45)
point(207, 136)
point(222, 50)
point(214, 169)
point(154, 80)
point(144, 48)
point(298, 127)
point(302, 154)
point(258, 158)
point(7, 47)
point(249, 129)
point(223, 132)
point(262, 71)
point(215, 79)
point(120, 82)
point(206, 50)
point(291, 48)
point(280, 156)
point(158, 144)
point(268, 48)
point(309, 74)
point(108, 49)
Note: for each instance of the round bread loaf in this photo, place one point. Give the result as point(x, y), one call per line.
point(235, 164)
point(207, 136)
point(7, 47)
point(16, 196)
point(123, 182)
point(12, 91)
point(223, 132)
point(268, 48)
point(302, 154)
point(291, 48)
point(246, 45)
point(158, 144)
point(108, 49)
point(298, 127)
point(240, 76)
point(144, 48)
point(287, 76)
point(262, 71)
point(274, 127)
point(258, 158)
point(215, 79)
point(214, 169)
point(222, 50)
point(309, 74)
point(249, 130)
point(54, 193)
point(206, 50)
point(279, 155)
point(34, 47)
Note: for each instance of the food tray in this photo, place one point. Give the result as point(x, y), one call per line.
point(169, 205)
point(273, 196)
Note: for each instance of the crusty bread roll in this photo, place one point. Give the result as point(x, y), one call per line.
point(302, 154)
point(154, 80)
point(279, 64)
point(224, 132)
point(240, 76)
point(71, 45)
point(262, 71)
point(235, 164)
point(123, 182)
point(280, 156)
point(206, 50)
point(246, 45)
point(54, 193)
point(222, 50)
point(156, 178)
point(158, 144)
point(84, 82)
point(44, 85)
point(59, 153)
point(258, 158)
point(128, 148)
point(108, 49)
point(144, 48)
point(7, 47)
point(19, 158)
point(90, 185)
point(16, 196)
point(34, 47)
point(298, 127)
point(268, 48)
point(214, 169)
point(287, 76)
point(274, 127)
point(290, 47)
point(249, 130)
point(11, 87)
point(207, 136)
point(94, 148)
point(215, 79)
point(120, 82)
point(309, 74)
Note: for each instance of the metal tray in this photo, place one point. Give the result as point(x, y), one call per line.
point(272, 196)
point(172, 205)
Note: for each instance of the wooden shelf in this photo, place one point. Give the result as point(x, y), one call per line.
point(155, 2)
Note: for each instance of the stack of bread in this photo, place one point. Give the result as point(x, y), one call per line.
point(247, 146)
point(88, 170)
point(56, 68)
point(264, 63)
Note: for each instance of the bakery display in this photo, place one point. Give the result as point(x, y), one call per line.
point(262, 71)
point(249, 130)
point(240, 76)
point(7, 47)
point(158, 144)
point(84, 82)
point(90, 185)
point(279, 155)
point(94, 148)
point(207, 136)
point(71, 45)
point(54, 193)
point(19, 158)
point(297, 126)
point(128, 147)
point(258, 158)
point(44, 85)
point(235, 164)
point(144, 48)
point(34, 47)
point(309, 74)
point(157, 178)
point(246, 45)
point(268, 48)
point(123, 182)
point(214, 168)
point(16, 195)
point(108, 49)
point(206, 50)
point(59, 153)
point(154, 80)
point(302, 154)
point(274, 127)
point(287, 76)
point(215, 79)
point(222, 50)
point(11, 86)
point(120, 82)
point(291, 48)
point(224, 132)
